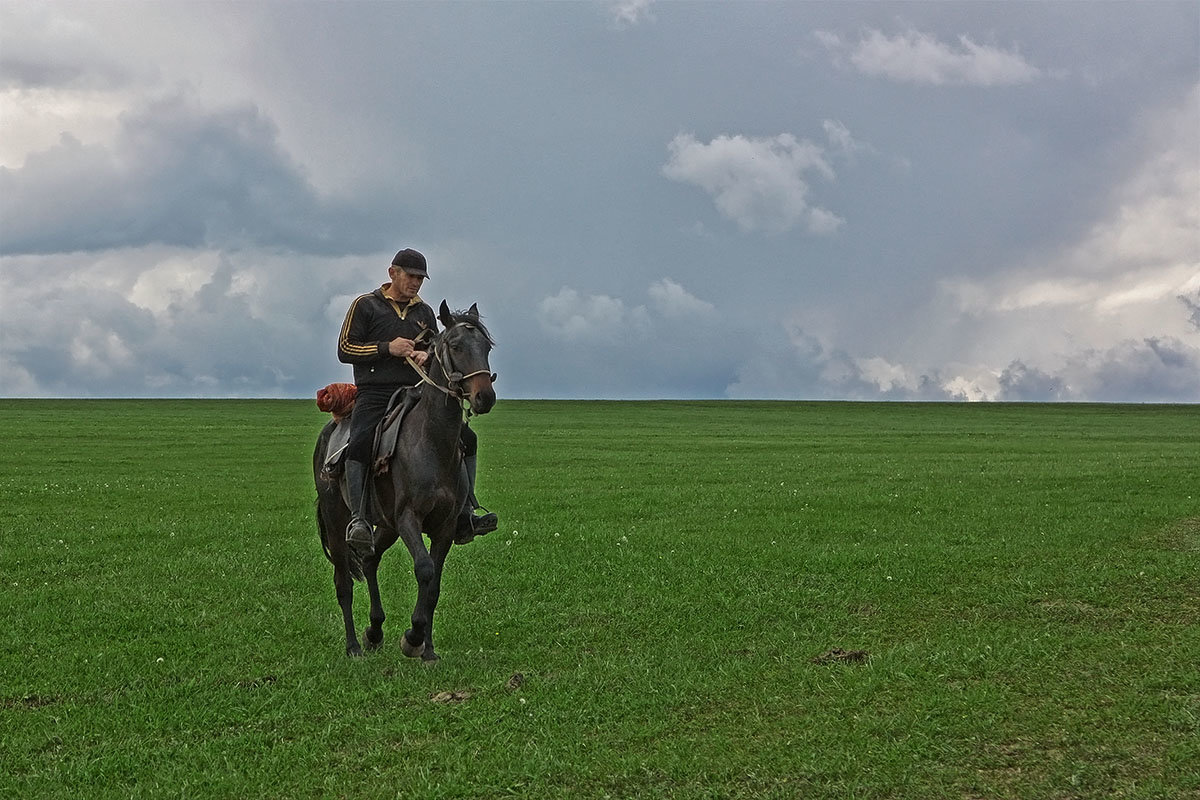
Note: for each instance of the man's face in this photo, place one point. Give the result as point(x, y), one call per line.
point(405, 286)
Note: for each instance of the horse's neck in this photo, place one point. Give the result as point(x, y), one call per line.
point(442, 417)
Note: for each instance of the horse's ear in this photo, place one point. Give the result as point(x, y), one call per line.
point(444, 315)
point(473, 310)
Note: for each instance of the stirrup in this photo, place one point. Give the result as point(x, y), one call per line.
point(359, 536)
point(484, 523)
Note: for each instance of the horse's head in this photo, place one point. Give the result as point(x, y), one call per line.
point(463, 348)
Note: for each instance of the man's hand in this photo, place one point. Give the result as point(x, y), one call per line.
point(420, 356)
point(400, 347)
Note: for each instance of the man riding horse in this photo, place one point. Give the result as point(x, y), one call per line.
point(383, 331)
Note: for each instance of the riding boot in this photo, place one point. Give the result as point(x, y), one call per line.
point(484, 523)
point(358, 532)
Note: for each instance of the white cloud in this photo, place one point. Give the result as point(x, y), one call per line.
point(916, 57)
point(34, 120)
point(589, 345)
point(596, 317)
point(173, 280)
point(758, 183)
point(843, 141)
point(673, 300)
point(602, 318)
point(55, 49)
point(629, 13)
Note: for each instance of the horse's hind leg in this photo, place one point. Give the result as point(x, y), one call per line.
point(331, 521)
point(344, 585)
point(374, 632)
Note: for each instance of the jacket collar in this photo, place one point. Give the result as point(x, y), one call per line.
point(401, 309)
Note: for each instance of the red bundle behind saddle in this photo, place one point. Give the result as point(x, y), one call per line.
point(337, 399)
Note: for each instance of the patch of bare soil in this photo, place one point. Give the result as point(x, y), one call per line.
point(515, 682)
point(29, 701)
point(1059, 604)
point(451, 697)
point(1184, 534)
point(839, 656)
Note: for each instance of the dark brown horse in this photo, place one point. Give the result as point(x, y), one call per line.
point(423, 491)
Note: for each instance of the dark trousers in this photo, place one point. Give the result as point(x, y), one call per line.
point(370, 404)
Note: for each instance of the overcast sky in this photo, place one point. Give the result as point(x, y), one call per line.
point(954, 200)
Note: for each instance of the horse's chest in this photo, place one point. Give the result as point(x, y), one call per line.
point(430, 492)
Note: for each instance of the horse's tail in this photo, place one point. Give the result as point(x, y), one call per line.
point(323, 532)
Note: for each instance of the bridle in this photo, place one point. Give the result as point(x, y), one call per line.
point(454, 379)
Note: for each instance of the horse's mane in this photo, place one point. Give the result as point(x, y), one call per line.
point(475, 322)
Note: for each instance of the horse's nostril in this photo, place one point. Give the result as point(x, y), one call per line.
point(483, 401)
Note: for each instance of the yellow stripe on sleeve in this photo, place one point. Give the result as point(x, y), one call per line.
point(344, 343)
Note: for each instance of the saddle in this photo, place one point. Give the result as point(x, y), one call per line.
point(387, 433)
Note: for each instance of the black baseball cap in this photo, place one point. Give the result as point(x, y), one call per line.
point(411, 262)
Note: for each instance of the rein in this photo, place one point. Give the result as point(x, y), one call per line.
point(453, 387)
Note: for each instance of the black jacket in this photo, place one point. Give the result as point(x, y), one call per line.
point(374, 320)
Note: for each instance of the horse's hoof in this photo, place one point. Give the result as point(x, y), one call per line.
point(374, 637)
point(412, 651)
point(430, 657)
point(353, 651)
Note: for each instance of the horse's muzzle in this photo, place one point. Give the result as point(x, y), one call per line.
point(481, 394)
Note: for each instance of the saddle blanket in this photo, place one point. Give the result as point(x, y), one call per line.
point(335, 449)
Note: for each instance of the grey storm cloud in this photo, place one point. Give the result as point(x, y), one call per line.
point(1021, 383)
point(181, 175)
point(1193, 307)
point(1153, 370)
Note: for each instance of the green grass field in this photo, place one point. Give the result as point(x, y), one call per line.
point(1024, 580)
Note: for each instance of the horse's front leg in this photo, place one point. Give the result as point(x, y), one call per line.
point(439, 548)
point(408, 530)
